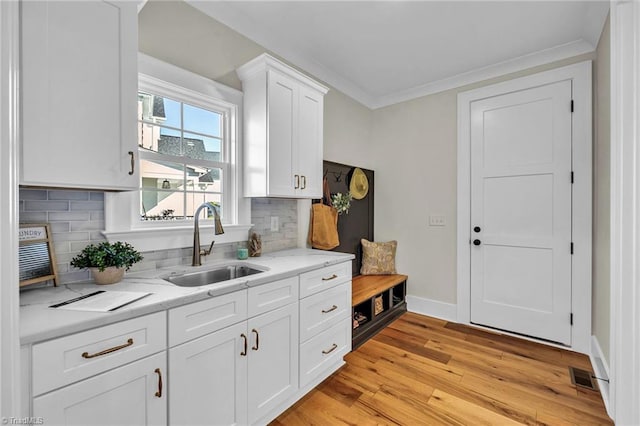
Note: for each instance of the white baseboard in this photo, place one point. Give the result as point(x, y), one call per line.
point(601, 370)
point(432, 308)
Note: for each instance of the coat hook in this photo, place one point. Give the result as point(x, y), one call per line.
point(338, 176)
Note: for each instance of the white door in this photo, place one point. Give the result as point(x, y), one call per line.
point(209, 379)
point(521, 212)
point(129, 395)
point(273, 360)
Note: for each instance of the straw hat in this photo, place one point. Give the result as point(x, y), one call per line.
point(359, 184)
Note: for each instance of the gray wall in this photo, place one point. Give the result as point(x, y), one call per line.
point(601, 192)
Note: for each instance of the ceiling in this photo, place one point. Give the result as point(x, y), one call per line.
point(384, 52)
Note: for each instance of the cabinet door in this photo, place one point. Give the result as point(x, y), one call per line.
point(282, 108)
point(129, 395)
point(209, 379)
point(273, 360)
point(309, 147)
point(79, 81)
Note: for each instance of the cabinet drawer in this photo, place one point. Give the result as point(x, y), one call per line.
point(322, 279)
point(266, 297)
point(322, 351)
point(324, 309)
point(200, 318)
point(71, 358)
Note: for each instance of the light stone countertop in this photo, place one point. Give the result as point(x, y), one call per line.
point(38, 322)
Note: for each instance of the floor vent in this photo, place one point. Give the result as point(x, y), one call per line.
point(582, 378)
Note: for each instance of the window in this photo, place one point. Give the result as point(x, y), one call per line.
point(184, 158)
point(188, 154)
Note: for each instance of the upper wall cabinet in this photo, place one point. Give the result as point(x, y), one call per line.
point(283, 112)
point(79, 85)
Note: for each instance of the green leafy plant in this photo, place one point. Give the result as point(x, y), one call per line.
point(105, 254)
point(341, 202)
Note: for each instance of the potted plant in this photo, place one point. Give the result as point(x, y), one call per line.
point(107, 261)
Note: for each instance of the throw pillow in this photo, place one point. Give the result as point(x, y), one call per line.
point(378, 258)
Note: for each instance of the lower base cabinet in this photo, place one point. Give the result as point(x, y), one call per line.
point(236, 375)
point(128, 395)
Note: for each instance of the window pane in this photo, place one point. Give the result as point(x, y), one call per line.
point(195, 199)
point(201, 147)
point(159, 110)
point(159, 139)
point(161, 205)
point(162, 175)
point(204, 179)
point(202, 121)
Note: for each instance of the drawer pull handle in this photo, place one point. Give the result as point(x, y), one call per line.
point(108, 351)
point(257, 346)
point(304, 182)
point(331, 309)
point(297, 184)
point(244, 351)
point(332, 277)
point(333, 348)
point(159, 392)
point(133, 163)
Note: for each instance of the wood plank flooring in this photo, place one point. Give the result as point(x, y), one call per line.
point(425, 371)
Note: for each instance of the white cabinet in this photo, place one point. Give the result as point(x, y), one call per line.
point(325, 321)
point(130, 395)
point(273, 360)
point(105, 376)
point(283, 125)
point(209, 379)
point(79, 84)
point(240, 373)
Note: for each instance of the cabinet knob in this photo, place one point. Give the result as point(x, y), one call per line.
point(476, 229)
point(477, 242)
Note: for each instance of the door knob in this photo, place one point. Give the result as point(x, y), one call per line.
point(476, 242)
point(476, 229)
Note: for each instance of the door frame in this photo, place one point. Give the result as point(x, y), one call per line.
point(10, 364)
point(625, 205)
point(581, 228)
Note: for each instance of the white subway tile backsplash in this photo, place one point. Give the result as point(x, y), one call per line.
point(67, 195)
point(87, 205)
point(77, 219)
point(69, 216)
point(45, 206)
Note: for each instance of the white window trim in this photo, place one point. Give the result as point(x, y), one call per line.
point(168, 80)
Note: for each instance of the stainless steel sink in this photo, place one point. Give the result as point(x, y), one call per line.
point(212, 276)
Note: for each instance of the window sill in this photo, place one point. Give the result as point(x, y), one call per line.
point(163, 238)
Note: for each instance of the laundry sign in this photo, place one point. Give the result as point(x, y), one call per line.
point(37, 261)
point(32, 233)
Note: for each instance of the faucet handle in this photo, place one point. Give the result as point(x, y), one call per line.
point(204, 252)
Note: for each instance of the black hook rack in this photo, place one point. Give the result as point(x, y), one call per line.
point(337, 176)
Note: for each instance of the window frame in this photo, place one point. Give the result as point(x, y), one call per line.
point(159, 78)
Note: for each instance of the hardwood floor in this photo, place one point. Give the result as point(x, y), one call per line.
point(425, 371)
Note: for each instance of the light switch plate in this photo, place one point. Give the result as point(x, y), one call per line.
point(275, 224)
point(435, 220)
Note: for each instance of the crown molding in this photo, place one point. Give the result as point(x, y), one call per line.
point(521, 63)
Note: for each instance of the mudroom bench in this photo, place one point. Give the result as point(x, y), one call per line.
point(376, 301)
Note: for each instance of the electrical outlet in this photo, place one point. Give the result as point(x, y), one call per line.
point(436, 220)
point(275, 224)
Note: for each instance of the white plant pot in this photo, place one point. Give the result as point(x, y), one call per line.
point(110, 275)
